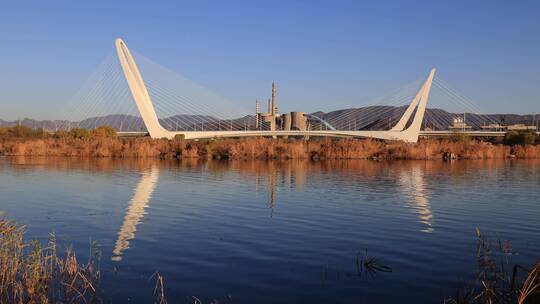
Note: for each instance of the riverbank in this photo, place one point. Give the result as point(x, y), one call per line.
point(264, 148)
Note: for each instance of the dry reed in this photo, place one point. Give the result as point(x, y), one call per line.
point(495, 283)
point(264, 148)
point(159, 290)
point(30, 273)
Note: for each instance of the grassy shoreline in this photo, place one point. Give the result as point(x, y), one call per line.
point(104, 142)
point(264, 149)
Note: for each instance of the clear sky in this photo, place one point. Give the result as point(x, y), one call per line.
point(322, 54)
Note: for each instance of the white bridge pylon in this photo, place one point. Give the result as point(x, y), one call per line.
point(144, 104)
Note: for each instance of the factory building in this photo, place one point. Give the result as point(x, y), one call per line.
point(459, 124)
point(515, 127)
point(272, 121)
point(294, 121)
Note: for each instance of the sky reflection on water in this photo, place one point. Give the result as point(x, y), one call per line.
point(270, 232)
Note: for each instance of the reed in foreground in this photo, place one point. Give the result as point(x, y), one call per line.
point(498, 281)
point(30, 273)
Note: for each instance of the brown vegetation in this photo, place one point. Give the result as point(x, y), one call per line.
point(30, 273)
point(103, 142)
point(498, 281)
point(262, 148)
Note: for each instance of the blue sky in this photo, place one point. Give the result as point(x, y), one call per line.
point(322, 54)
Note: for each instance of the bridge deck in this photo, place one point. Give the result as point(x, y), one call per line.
point(327, 133)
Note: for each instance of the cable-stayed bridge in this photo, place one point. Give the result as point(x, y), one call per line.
point(164, 104)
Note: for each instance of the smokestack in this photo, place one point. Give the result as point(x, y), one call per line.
point(274, 112)
point(257, 110)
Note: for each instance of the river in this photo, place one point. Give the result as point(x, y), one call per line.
point(277, 232)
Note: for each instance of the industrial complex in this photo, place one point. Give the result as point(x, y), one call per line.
point(272, 121)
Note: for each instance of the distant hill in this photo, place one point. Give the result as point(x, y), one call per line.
point(366, 118)
point(381, 117)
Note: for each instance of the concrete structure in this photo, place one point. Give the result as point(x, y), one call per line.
point(139, 92)
point(470, 133)
point(459, 124)
point(515, 127)
point(401, 131)
point(268, 120)
point(272, 121)
point(298, 121)
point(423, 133)
point(520, 127)
point(493, 127)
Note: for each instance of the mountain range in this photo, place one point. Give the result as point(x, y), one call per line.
point(366, 118)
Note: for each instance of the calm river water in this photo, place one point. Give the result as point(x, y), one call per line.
point(277, 232)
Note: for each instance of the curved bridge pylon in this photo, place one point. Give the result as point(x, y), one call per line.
point(400, 131)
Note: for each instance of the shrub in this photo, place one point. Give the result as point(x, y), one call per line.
point(61, 134)
point(20, 131)
point(4, 133)
point(103, 132)
point(79, 133)
point(460, 137)
point(513, 138)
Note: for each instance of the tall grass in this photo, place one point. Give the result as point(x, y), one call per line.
point(498, 281)
point(30, 273)
point(263, 148)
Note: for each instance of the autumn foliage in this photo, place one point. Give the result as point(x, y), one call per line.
point(260, 148)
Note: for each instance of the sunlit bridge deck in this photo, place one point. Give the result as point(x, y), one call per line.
point(349, 134)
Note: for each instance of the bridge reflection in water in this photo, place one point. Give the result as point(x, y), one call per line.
point(412, 181)
point(413, 187)
point(135, 212)
point(270, 178)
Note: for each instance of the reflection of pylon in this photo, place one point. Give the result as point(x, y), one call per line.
point(135, 212)
point(415, 189)
point(272, 189)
